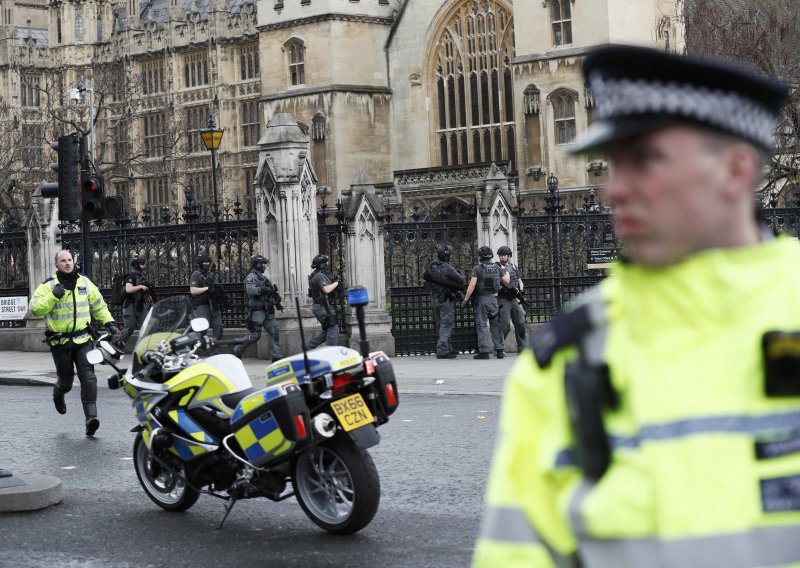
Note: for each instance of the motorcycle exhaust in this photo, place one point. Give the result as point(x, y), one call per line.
point(324, 424)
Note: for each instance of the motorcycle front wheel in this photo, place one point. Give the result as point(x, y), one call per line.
point(163, 485)
point(337, 486)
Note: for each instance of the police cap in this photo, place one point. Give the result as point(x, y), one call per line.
point(640, 90)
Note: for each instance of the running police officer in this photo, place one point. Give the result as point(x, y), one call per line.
point(320, 288)
point(136, 292)
point(511, 311)
point(447, 288)
point(204, 292)
point(655, 422)
point(263, 299)
point(68, 301)
point(485, 283)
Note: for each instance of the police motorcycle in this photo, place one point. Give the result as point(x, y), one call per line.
point(204, 428)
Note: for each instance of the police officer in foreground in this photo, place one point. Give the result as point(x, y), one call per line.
point(655, 423)
point(133, 309)
point(263, 299)
point(446, 287)
point(205, 294)
point(68, 302)
point(320, 287)
point(485, 283)
point(511, 311)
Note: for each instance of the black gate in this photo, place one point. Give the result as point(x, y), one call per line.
point(169, 241)
point(411, 243)
point(14, 266)
point(554, 240)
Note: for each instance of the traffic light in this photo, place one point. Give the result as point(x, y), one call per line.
point(66, 188)
point(93, 196)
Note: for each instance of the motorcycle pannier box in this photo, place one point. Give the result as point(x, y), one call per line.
point(269, 424)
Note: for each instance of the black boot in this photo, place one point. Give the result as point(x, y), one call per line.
point(500, 354)
point(237, 351)
point(92, 424)
point(481, 356)
point(447, 356)
point(58, 401)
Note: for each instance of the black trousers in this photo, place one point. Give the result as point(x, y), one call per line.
point(68, 358)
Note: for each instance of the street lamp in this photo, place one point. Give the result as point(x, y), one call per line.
point(212, 136)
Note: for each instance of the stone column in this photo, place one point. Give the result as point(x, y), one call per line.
point(364, 212)
point(497, 210)
point(287, 230)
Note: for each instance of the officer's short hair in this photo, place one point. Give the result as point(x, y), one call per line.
point(59, 252)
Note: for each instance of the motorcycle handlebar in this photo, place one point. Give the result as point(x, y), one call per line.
point(236, 341)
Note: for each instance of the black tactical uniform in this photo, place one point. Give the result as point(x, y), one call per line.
point(511, 311)
point(263, 299)
point(133, 312)
point(207, 305)
point(446, 286)
point(487, 312)
point(322, 308)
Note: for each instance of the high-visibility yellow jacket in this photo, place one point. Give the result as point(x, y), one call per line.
point(72, 312)
point(705, 468)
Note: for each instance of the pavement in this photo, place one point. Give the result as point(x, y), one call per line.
point(420, 374)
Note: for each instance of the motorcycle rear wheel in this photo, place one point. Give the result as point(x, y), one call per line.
point(164, 487)
point(337, 486)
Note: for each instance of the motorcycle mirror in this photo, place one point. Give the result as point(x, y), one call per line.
point(95, 357)
point(199, 324)
point(110, 349)
point(357, 296)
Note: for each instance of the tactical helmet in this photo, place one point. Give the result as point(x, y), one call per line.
point(258, 262)
point(443, 253)
point(137, 261)
point(504, 250)
point(319, 260)
point(485, 253)
point(202, 258)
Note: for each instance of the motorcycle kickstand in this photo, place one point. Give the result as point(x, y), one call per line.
point(229, 505)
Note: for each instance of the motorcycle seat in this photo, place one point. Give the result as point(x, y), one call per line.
point(232, 400)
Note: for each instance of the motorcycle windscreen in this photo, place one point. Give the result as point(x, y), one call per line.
point(167, 319)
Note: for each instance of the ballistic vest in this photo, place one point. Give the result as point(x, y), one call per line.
point(488, 282)
point(704, 465)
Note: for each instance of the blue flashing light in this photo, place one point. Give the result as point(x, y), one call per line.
point(357, 296)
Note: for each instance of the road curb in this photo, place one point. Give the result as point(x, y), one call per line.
point(32, 493)
point(27, 381)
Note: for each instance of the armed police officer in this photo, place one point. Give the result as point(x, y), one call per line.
point(137, 290)
point(263, 299)
point(320, 288)
point(508, 299)
point(447, 287)
point(68, 301)
point(485, 282)
point(207, 294)
point(655, 422)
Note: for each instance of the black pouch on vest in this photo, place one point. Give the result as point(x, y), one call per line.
point(781, 363)
point(589, 391)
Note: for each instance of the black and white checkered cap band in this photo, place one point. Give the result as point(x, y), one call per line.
point(723, 109)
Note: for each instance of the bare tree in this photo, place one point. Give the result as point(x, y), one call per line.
point(764, 35)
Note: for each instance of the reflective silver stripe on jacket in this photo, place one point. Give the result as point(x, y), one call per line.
point(511, 525)
point(744, 424)
point(507, 524)
point(759, 548)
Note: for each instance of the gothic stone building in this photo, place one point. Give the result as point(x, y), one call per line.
point(423, 95)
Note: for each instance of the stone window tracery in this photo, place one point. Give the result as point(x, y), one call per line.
point(471, 69)
point(561, 18)
point(564, 102)
point(296, 56)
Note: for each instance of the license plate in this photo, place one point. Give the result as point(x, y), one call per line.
point(352, 412)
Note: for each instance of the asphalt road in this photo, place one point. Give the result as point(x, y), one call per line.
point(433, 461)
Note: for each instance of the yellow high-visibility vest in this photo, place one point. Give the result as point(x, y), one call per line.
point(705, 467)
point(72, 312)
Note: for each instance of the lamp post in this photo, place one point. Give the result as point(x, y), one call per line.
point(212, 136)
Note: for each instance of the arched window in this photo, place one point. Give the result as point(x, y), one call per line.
point(472, 85)
point(561, 17)
point(79, 24)
point(563, 102)
point(296, 57)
